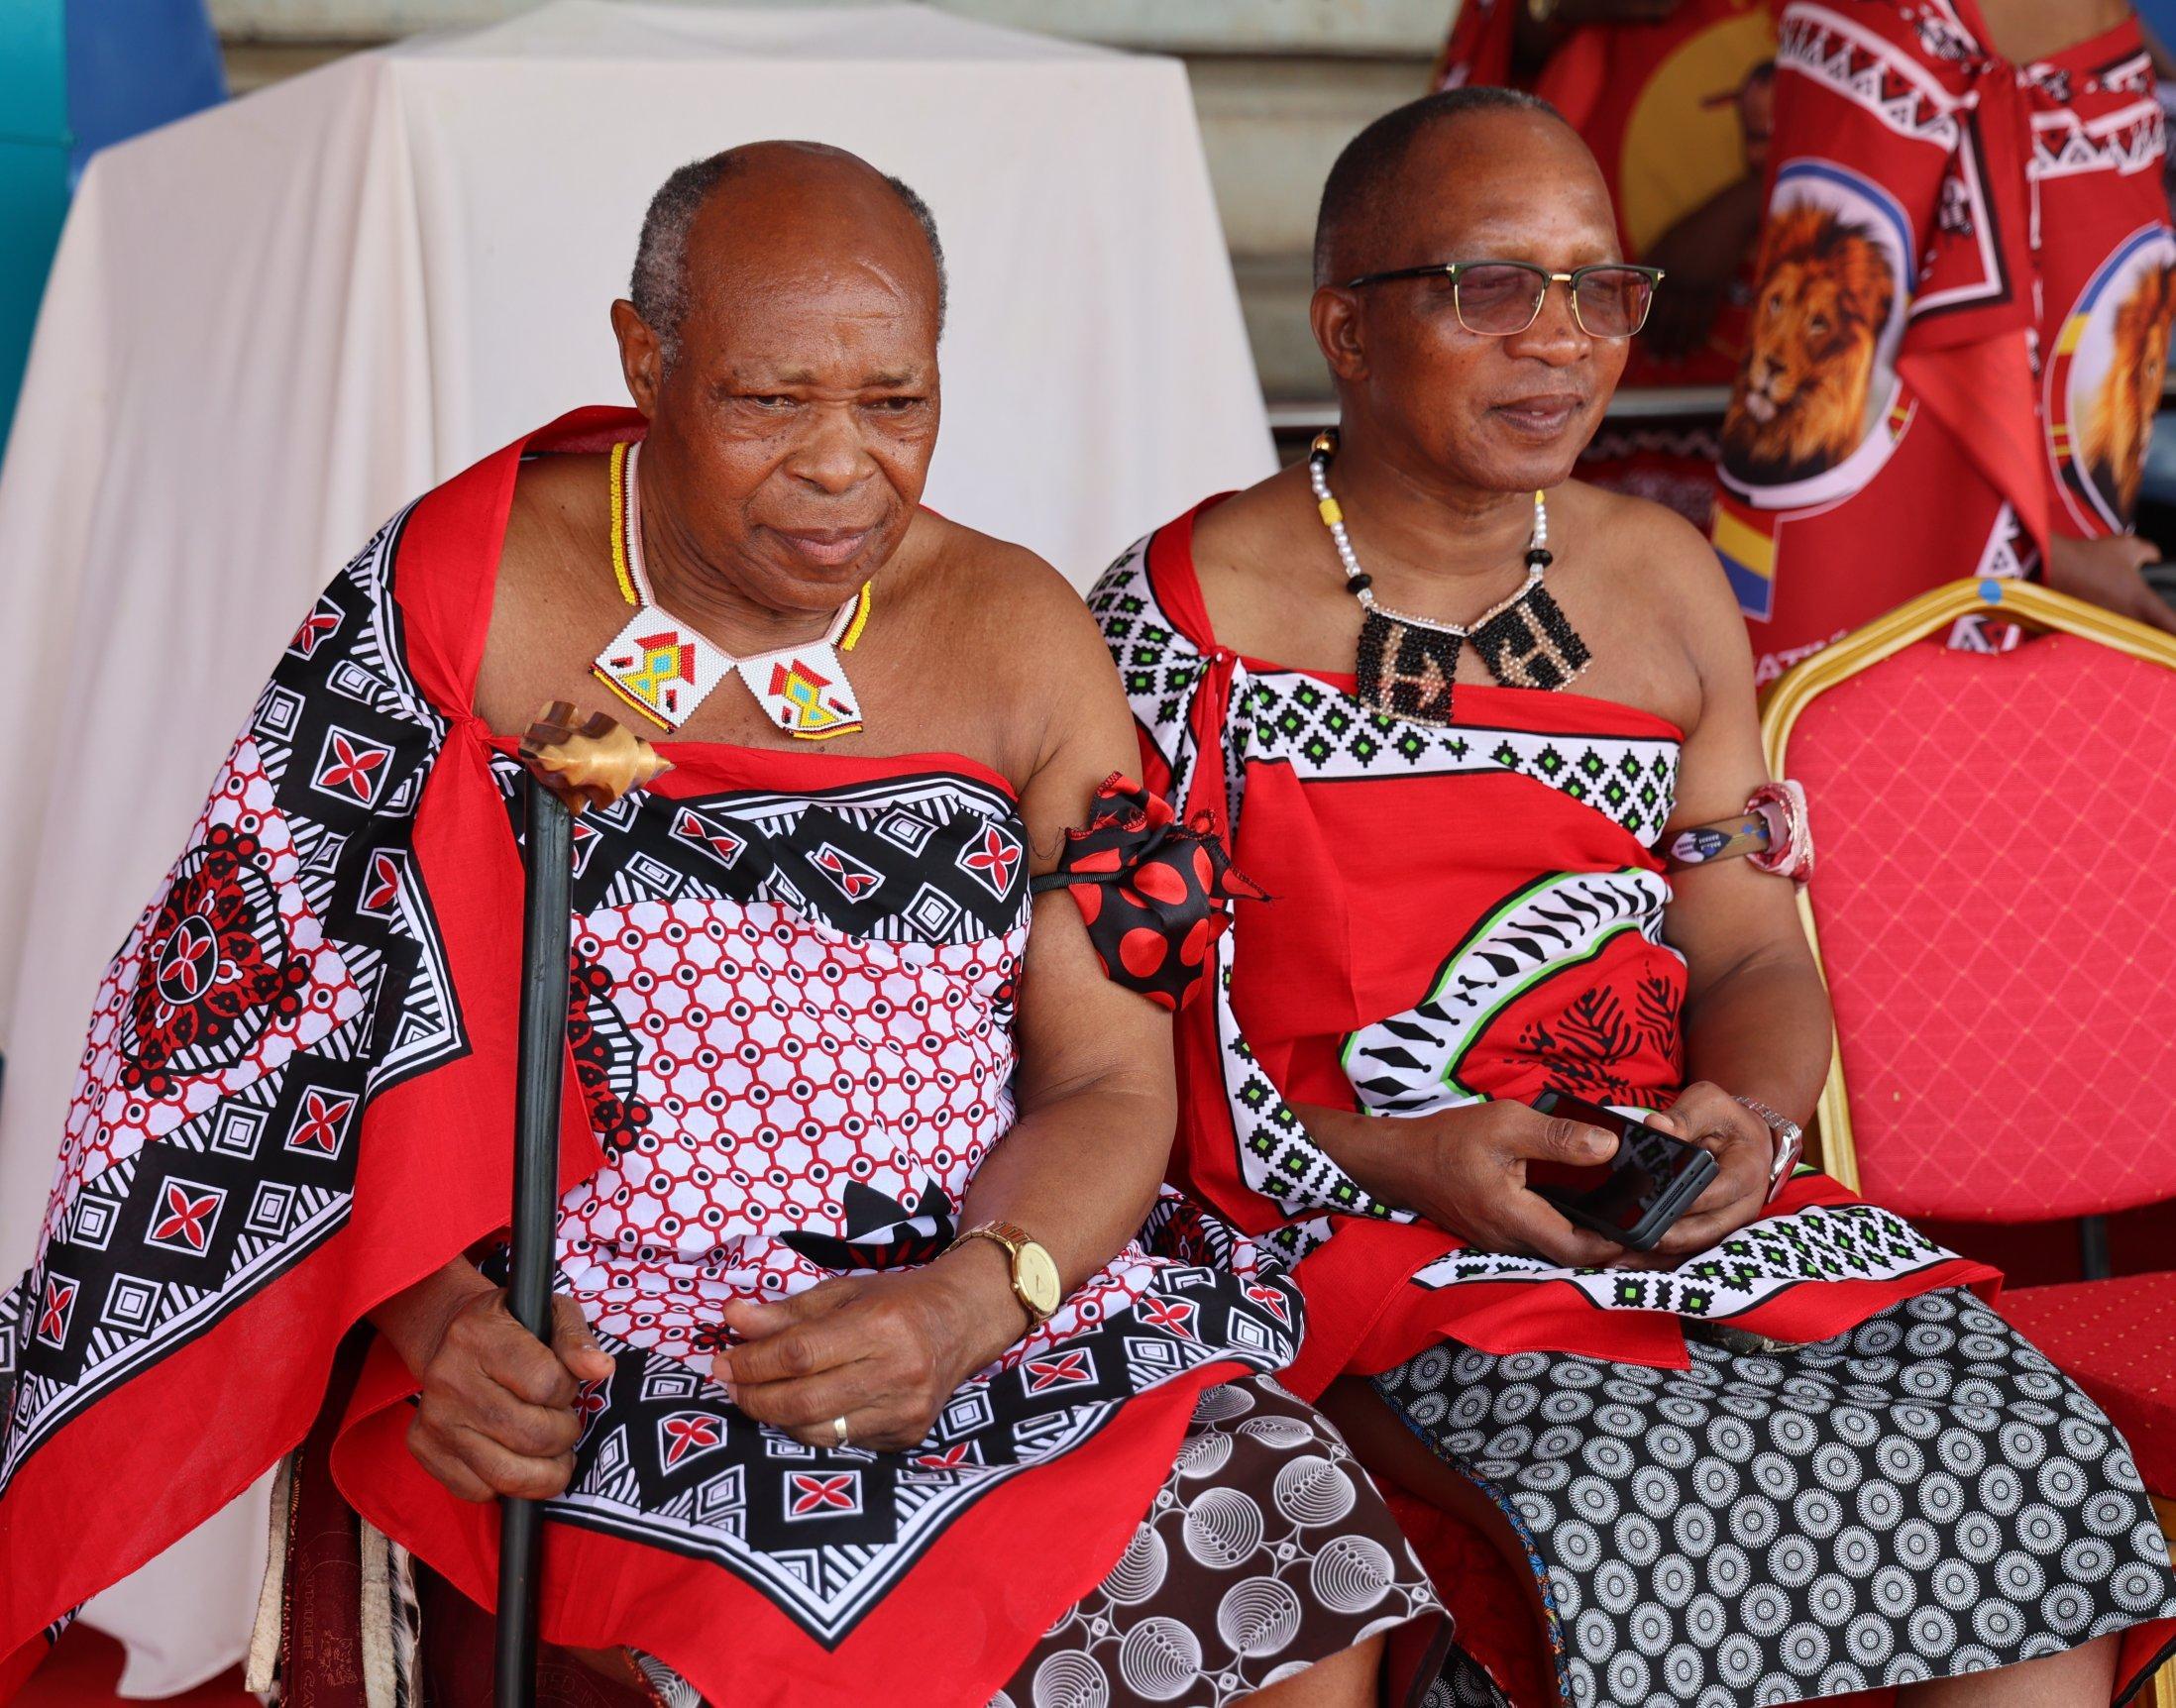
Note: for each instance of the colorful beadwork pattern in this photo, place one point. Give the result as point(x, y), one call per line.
point(665, 669)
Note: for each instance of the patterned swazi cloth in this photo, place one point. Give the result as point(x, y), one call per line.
point(1264, 1552)
point(1964, 289)
point(1503, 938)
point(1923, 1497)
point(1483, 917)
point(792, 1034)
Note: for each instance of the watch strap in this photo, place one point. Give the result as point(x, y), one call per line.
point(1009, 1238)
point(1790, 1140)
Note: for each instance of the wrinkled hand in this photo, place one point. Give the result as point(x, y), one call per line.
point(1470, 1180)
point(1743, 1149)
point(497, 1414)
point(2107, 572)
point(885, 1352)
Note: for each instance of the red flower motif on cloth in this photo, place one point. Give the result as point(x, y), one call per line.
point(853, 882)
point(815, 1493)
point(689, 1432)
point(589, 1400)
point(322, 621)
point(213, 964)
point(351, 766)
point(992, 859)
point(1063, 1371)
point(1175, 1316)
point(1272, 1301)
point(951, 1458)
point(52, 1321)
point(187, 1217)
point(384, 886)
point(321, 1122)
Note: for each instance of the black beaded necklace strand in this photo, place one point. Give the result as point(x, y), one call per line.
point(1407, 663)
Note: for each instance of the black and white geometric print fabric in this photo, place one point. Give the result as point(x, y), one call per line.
point(936, 859)
point(667, 1460)
point(1325, 734)
point(1820, 1243)
point(288, 971)
point(1266, 1550)
point(1925, 1496)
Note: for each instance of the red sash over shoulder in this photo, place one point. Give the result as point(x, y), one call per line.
point(1456, 914)
point(298, 1100)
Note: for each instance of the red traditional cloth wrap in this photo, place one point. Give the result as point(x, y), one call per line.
point(1965, 290)
point(1152, 891)
point(1461, 913)
point(298, 1100)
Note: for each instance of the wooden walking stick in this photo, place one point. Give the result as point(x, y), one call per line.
point(569, 770)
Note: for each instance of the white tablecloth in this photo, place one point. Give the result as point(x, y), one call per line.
point(271, 324)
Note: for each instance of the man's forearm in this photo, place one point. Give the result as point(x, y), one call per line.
point(1373, 1149)
point(1762, 1032)
point(1079, 1173)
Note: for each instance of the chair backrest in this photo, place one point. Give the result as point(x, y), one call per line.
point(1996, 909)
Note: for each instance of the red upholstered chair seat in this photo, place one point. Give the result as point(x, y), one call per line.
point(2116, 1339)
point(1998, 835)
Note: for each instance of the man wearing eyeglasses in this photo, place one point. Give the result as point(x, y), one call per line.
point(1452, 707)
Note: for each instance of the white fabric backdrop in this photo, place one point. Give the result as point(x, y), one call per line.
point(270, 325)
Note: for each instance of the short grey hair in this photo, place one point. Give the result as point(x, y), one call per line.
point(659, 288)
point(1355, 212)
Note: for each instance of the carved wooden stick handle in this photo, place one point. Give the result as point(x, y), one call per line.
point(592, 763)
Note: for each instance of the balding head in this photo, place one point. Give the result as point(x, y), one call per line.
point(660, 288)
point(1477, 174)
point(1364, 195)
point(784, 346)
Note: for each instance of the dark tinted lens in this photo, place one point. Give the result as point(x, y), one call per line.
point(1498, 299)
point(1613, 301)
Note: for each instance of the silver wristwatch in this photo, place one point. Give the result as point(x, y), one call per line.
point(1790, 1140)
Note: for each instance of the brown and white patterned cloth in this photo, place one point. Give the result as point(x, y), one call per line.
point(1267, 1551)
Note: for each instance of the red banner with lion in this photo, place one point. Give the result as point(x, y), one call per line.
point(1962, 317)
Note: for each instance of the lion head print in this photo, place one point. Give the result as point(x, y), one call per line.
point(1825, 294)
point(2121, 416)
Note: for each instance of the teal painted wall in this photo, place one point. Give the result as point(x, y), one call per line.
point(34, 172)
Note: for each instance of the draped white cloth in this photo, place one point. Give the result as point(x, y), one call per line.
point(271, 324)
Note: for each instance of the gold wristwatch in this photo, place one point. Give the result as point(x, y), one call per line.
point(1034, 1277)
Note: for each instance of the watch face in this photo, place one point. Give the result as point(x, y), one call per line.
point(1037, 1277)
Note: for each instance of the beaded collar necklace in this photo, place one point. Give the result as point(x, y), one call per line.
point(1407, 663)
point(665, 668)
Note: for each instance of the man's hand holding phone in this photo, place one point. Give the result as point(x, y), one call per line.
point(1465, 1171)
point(1743, 1150)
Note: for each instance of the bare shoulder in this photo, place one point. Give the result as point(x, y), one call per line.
point(1019, 644)
point(1649, 554)
point(1245, 534)
point(998, 599)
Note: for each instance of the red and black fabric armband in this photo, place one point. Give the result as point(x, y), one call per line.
point(1152, 890)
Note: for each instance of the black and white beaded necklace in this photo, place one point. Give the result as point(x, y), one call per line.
point(1407, 663)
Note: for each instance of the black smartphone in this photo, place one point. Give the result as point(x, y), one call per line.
point(1639, 1193)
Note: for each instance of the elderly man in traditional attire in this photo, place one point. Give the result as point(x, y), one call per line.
point(1485, 736)
point(876, 1347)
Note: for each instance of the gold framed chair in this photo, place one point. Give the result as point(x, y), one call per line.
point(1994, 910)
